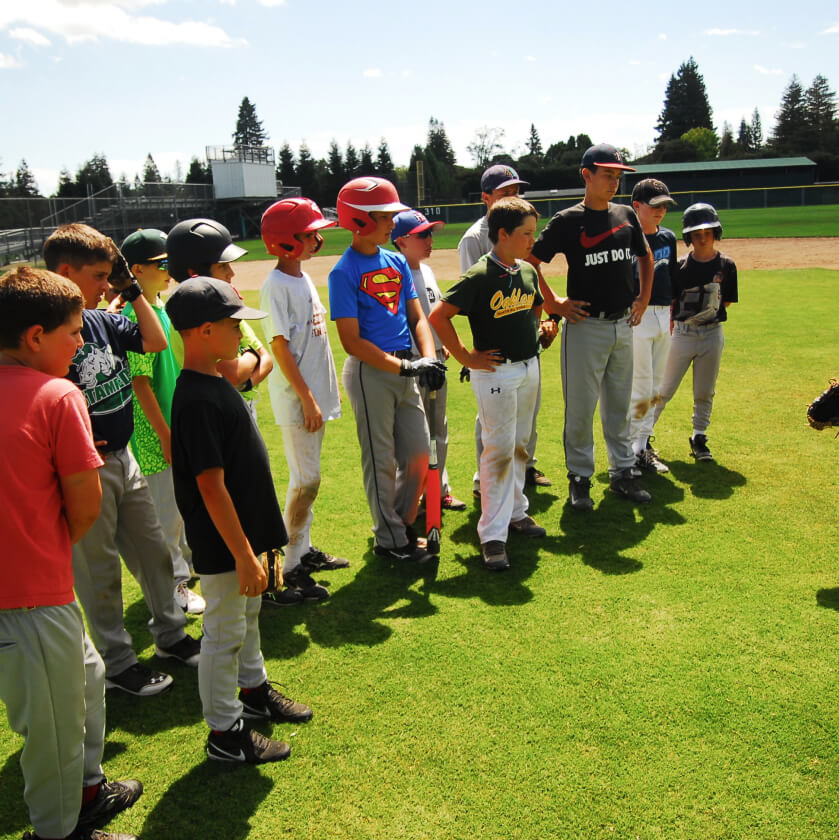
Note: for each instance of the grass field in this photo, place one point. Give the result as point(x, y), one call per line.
point(822, 220)
point(665, 671)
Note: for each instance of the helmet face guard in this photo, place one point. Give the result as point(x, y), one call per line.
point(361, 197)
point(288, 217)
point(700, 216)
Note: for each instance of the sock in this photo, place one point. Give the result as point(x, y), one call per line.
point(89, 793)
point(697, 432)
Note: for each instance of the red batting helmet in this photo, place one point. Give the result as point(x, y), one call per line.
point(286, 217)
point(362, 196)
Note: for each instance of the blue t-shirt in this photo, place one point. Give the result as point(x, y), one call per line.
point(374, 290)
point(663, 245)
point(100, 369)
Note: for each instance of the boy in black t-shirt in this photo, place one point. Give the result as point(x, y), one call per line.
point(703, 288)
point(599, 240)
point(225, 493)
point(500, 296)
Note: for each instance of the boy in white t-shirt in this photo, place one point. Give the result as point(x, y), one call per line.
point(413, 235)
point(303, 386)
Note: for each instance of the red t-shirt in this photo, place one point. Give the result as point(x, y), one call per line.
point(44, 433)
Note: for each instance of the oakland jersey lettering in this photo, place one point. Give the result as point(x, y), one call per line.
point(384, 285)
point(502, 305)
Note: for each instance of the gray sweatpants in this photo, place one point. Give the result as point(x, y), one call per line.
point(701, 346)
point(127, 526)
point(393, 435)
point(52, 681)
point(597, 365)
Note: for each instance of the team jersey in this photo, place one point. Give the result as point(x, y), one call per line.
point(694, 284)
point(663, 245)
point(499, 305)
point(599, 246)
point(374, 289)
point(428, 293)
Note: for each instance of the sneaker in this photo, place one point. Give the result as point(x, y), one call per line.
point(579, 492)
point(286, 598)
point(315, 560)
point(626, 484)
point(190, 602)
point(699, 448)
point(647, 460)
point(266, 703)
point(403, 554)
point(240, 743)
point(448, 502)
point(536, 478)
point(187, 651)
point(527, 527)
point(298, 578)
point(140, 681)
point(494, 556)
point(110, 799)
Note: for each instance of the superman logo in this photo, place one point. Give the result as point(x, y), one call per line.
point(384, 285)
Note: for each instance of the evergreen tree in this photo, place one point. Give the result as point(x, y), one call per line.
point(66, 185)
point(789, 135)
point(335, 161)
point(728, 146)
point(249, 130)
point(744, 136)
point(756, 129)
point(285, 168)
point(198, 173)
point(438, 143)
point(366, 165)
point(24, 183)
point(352, 165)
point(820, 108)
point(384, 162)
point(93, 173)
point(306, 170)
point(686, 103)
point(534, 143)
point(151, 174)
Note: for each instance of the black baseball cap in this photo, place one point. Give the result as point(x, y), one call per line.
point(498, 176)
point(201, 299)
point(604, 155)
point(144, 246)
point(653, 192)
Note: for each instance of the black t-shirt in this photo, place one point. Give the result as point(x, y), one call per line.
point(499, 306)
point(663, 245)
point(599, 246)
point(694, 275)
point(100, 369)
point(212, 427)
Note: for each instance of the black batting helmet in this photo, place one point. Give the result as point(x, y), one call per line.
point(700, 217)
point(197, 243)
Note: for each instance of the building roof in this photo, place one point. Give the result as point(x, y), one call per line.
point(723, 165)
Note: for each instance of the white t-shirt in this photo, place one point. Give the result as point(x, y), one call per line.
point(296, 313)
point(474, 244)
point(424, 280)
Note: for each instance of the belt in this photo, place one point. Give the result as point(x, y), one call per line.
point(402, 354)
point(611, 316)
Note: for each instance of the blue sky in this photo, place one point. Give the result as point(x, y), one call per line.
point(129, 77)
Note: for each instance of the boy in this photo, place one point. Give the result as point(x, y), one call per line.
point(52, 680)
point(127, 526)
point(598, 239)
point(153, 378)
point(651, 338)
point(304, 391)
point(501, 298)
point(497, 182)
point(413, 234)
point(226, 496)
point(203, 247)
point(375, 308)
point(703, 288)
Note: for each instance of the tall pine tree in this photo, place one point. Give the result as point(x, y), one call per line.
point(534, 143)
point(820, 108)
point(352, 165)
point(93, 173)
point(24, 183)
point(285, 168)
point(366, 165)
point(384, 162)
point(249, 130)
point(151, 174)
point(686, 103)
point(789, 136)
point(438, 143)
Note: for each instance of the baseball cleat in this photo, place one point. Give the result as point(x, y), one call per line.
point(190, 602)
point(241, 744)
point(699, 448)
point(494, 556)
point(404, 554)
point(266, 703)
point(535, 478)
point(300, 579)
point(287, 597)
point(315, 560)
point(527, 527)
point(140, 681)
point(110, 800)
point(449, 502)
point(626, 484)
point(647, 459)
point(187, 651)
point(579, 492)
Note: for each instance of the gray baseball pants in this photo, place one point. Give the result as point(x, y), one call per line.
point(597, 365)
point(52, 681)
point(701, 346)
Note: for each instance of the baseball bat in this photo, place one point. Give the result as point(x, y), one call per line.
point(432, 486)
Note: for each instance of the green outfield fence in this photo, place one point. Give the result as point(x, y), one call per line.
point(738, 199)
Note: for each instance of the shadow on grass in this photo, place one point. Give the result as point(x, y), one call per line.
point(707, 479)
point(828, 598)
point(12, 807)
point(211, 794)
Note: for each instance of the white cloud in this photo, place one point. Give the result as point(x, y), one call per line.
point(831, 30)
point(766, 71)
point(272, 3)
point(662, 36)
point(29, 36)
point(7, 62)
point(109, 20)
point(372, 73)
point(725, 32)
point(529, 58)
point(634, 62)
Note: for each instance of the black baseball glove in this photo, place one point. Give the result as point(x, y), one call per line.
point(824, 410)
point(431, 372)
point(272, 565)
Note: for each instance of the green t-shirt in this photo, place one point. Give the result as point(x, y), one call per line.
point(499, 306)
point(162, 369)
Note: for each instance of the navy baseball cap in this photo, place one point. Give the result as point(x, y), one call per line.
point(201, 299)
point(653, 192)
point(410, 221)
point(498, 176)
point(604, 155)
point(144, 246)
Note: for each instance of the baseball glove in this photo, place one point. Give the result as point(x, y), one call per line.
point(824, 410)
point(272, 565)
